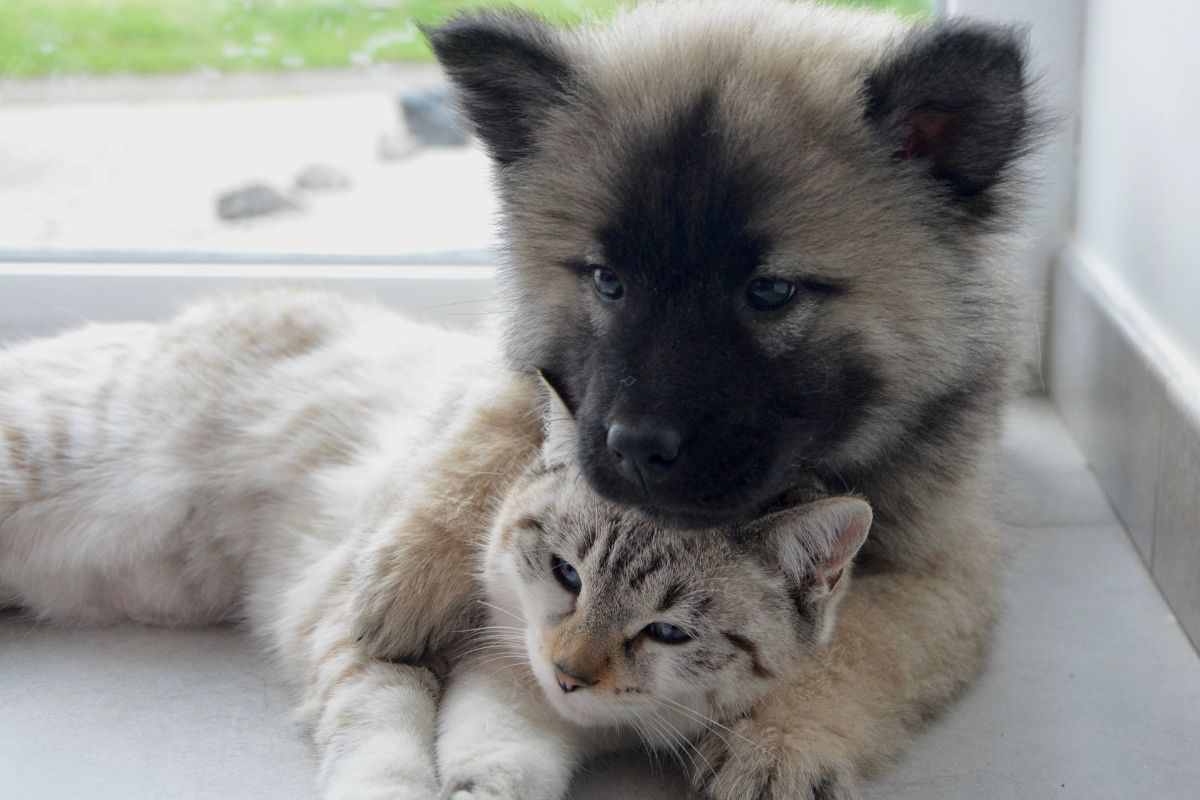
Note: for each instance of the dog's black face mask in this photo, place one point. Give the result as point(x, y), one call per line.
point(681, 409)
point(686, 418)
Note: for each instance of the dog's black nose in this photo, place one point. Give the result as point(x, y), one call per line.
point(644, 448)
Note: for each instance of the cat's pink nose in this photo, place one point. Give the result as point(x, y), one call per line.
point(569, 681)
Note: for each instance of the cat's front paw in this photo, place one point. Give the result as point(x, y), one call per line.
point(755, 761)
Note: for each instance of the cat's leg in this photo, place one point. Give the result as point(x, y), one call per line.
point(906, 643)
point(375, 731)
point(498, 739)
point(372, 722)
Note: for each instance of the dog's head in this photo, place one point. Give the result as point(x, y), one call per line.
point(747, 240)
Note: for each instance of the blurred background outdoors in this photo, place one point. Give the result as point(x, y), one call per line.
point(156, 128)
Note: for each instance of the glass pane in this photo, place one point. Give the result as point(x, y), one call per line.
point(279, 127)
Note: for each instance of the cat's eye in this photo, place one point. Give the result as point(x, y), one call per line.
point(768, 294)
point(666, 633)
point(608, 284)
point(566, 575)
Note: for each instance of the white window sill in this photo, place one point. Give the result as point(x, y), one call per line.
point(44, 298)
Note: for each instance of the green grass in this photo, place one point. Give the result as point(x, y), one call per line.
point(100, 37)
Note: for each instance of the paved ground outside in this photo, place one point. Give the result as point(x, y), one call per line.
point(137, 164)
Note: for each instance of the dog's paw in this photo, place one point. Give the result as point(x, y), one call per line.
point(750, 761)
point(397, 616)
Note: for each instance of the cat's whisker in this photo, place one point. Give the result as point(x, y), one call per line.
point(691, 746)
point(501, 633)
point(643, 739)
point(503, 638)
point(662, 740)
point(500, 609)
point(652, 747)
point(491, 651)
point(710, 723)
point(489, 628)
point(501, 662)
point(514, 644)
point(668, 738)
point(495, 648)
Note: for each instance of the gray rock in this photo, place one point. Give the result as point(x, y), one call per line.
point(432, 119)
point(322, 178)
point(396, 146)
point(253, 200)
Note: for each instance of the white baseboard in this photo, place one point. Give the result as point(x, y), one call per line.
point(1131, 396)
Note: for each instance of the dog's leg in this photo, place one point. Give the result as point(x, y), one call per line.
point(415, 572)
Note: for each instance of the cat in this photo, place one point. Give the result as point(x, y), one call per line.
point(236, 463)
point(605, 623)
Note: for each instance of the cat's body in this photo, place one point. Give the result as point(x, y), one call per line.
point(235, 463)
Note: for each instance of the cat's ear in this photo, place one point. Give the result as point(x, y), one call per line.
point(510, 69)
point(953, 98)
point(815, 543)
point(558, 446)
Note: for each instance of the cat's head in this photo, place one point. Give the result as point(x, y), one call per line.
point(621, 617)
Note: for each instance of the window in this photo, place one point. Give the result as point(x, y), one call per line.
point(241, 130)
point(153, 150)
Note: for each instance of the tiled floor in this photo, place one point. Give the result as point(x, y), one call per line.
point(1093, 691)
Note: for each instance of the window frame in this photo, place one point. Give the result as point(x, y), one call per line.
point(45, 297)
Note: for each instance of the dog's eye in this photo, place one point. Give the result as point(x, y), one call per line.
point(768, 294)
point(667, 633)
point(566, 575)
point(607, 284)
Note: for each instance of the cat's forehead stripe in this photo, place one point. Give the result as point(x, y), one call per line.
point(612, 532)
point(652, 565)
point(586, 543)
point(671, 596)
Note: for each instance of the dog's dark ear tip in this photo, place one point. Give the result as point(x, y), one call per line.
point(428, 30)
point(953, 96)
point(510, 69)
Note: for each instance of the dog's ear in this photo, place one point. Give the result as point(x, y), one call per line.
point(558, 447)
point(509, 68)
point(953, 97)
